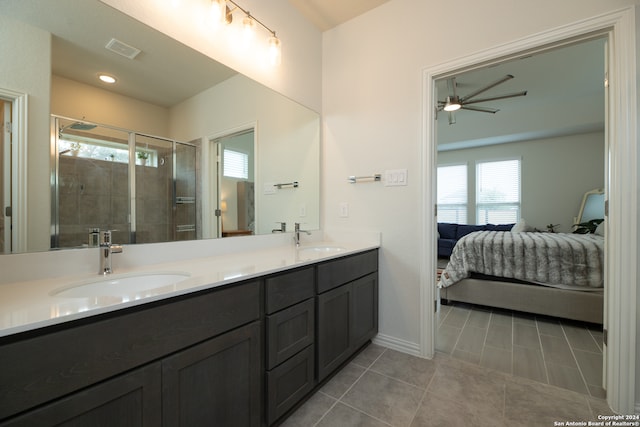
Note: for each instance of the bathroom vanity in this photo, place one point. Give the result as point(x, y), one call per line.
point(241, 353)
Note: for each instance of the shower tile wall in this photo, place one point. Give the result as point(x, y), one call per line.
point(92, 193)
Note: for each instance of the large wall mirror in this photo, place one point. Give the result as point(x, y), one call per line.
point(163, 138)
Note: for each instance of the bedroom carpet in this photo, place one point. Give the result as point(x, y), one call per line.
point(562, 353)
point(383, 387)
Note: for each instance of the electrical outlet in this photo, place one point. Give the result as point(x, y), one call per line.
point(302, 212)
point(344, 210)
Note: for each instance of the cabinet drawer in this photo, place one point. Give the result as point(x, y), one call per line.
point(289, 331)
point(287, 289)
point(343, 270)
point(288, 383)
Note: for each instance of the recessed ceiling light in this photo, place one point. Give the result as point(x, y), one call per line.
point(106, 78)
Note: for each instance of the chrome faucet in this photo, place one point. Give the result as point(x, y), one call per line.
point(106, 249)
point(282, 229)
point(296, 234)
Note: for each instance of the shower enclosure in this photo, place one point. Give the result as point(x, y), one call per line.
point(105, 178)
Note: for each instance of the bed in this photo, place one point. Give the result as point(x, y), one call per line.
point(554, 274)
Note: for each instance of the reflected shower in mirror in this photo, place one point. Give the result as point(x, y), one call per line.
point(93, 179)
point(169, 91)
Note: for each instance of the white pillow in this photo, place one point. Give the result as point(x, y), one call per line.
point(521, 227)
point(599, 229)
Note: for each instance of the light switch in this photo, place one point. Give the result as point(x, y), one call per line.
point(269, 188)
point(395, 177)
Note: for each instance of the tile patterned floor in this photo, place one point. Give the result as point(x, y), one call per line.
point(383, 387)
point(557, 352)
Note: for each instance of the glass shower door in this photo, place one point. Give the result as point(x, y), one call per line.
point(165, 189)
point(153, 189)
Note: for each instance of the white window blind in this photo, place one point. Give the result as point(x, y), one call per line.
point(235, 164)
point(452, 194)
point(498, 192)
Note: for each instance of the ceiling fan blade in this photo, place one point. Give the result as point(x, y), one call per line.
point(494, 98)
point(480, 109)
point(486, 88)
point(451, 86)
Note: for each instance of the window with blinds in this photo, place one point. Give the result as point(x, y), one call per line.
point(498, 192)
point(235, 164)
point(452, 194)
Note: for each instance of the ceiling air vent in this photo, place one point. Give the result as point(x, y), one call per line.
point(123, 49)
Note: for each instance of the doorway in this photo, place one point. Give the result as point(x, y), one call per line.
point(620, 310)
point(234, 183)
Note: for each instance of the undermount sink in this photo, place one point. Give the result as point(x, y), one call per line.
point(125, 284)
point(317, 251)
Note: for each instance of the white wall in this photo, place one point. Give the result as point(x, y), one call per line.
point(287, 148)
point(77, 101)
point(299, 75)
point(372, 111)
point(555, 174)
point(25, 67)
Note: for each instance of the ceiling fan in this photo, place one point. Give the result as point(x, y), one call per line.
point(454, 102)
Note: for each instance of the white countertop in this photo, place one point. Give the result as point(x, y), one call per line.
point(28, 305)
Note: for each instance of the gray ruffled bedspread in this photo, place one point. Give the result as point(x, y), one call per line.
point(556, 259)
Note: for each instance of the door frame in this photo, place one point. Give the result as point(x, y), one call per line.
point(19, 168)
point(622, 154)
point(211, 176)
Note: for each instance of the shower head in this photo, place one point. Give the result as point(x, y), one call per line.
point(76, 126)
point(82, 126)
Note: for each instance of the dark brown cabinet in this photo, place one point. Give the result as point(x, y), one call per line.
point(132, 399)
point(347, 309)
point(214, 383)
point(290, 338)
point(239, 355)
point(72, 374)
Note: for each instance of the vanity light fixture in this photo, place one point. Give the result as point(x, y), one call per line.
point(223, 13)
point(452, 104)
point(107, 78)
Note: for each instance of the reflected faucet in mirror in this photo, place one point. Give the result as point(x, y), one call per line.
point(282, 229)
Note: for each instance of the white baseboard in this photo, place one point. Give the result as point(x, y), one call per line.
point(397, 344)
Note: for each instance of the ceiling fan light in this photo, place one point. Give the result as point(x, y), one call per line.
point(452, 104)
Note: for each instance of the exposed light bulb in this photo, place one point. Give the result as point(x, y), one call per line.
point(219, 11)
point(275, 50)
point(248, 28)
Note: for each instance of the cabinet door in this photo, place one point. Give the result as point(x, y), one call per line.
point(333, 329)
point(130, 400)
point(216, 383)
point(364, 310)
point(288, 383)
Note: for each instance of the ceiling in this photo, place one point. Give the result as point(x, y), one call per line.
point(565, 95)
point(326, 14)
point(569, 79)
